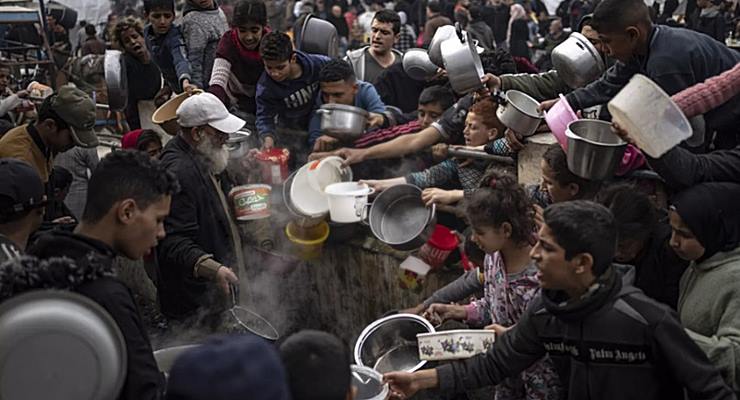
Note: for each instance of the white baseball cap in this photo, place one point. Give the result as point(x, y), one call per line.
point(207, 109)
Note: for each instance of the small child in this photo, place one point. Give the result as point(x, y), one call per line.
point(164, 40)
point(318, 366)
point(288, 89)
point(238, 65)
point(203, 24)
point(481, 127)
point(501, 215)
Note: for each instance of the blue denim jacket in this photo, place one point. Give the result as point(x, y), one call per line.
point(170, 55)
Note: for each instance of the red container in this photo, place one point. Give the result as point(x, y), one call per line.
point(274, 165)
point(436, 250)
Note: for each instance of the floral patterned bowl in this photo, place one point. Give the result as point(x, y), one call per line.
point(455, 344)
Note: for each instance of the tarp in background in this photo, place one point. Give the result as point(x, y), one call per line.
point(92, 11)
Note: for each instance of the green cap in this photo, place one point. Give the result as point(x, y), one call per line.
point(76, 109)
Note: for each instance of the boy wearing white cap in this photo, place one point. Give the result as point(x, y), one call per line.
point(202, 244)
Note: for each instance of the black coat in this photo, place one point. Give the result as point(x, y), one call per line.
point(497, 17)
point(143, 379)
point(196, 226)
point(396, 88)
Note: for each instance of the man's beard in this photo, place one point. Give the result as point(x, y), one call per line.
point(217, 158)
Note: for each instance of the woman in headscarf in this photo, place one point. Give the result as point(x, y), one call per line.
point(518, 32)
point(706, 231)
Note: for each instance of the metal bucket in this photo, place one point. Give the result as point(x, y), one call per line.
point(594, 151)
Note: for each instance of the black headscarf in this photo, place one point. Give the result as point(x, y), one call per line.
point(712, 212)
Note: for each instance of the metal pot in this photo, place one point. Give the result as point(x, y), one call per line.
point(417, 64)
point(57, 344)
point(518, 111)
point(300, 219)
point(577, 61)
point(115, 80)
point(435, 45)
point(463, 65)
point(399, 218)
point(594, 151)
point(389, 344)
point(346, 123)
point(238, 144)
point(318, 36)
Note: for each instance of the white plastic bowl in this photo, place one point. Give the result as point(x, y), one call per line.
point(649, 115)
point(347, 201)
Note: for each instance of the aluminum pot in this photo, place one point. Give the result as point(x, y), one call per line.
point(300, 219)
point(57, 344)
point(577, 61)
point(114, 70)
point(389, 344)
point(594, 151)
point(399, 218)
point(463, 65)
point(238, 144)
point(318, 36)
point(435, 45)
point(518, 111)
point(346, 123)
point(417, 65)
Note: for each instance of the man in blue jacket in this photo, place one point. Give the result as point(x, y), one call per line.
point(674, 58)
point(340, 86)
point(606, 339)
point(288, 89)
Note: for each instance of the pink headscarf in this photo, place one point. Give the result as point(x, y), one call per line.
point(516, 12)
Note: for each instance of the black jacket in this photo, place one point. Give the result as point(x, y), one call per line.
point(196, 226)
point(497, 17)
point(396, 88)
point(678, 58)
point(614, 344)
point(681, 168)
point(143, 379)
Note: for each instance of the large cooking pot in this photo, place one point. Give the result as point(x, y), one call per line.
point(417, 65)
point(594, 151)
point(238, 144)
point(318, 36)
point(577, 61)
point(115, 80)
point(346, 123)
point(57, 344)
point(435, 45)
point(518, 111)
point(299, 218)
point(462, 63)
point(399, 218)
point(389, 344)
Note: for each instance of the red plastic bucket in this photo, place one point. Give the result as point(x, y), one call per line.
point(436, 250)
point(274, 165)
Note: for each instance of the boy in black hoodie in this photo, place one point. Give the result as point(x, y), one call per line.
point(128, 198)
point(605, 337)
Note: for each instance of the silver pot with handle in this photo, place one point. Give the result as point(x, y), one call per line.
point(114, 69)
point(346, 123)
point(238, 144)
point(463, 65)
point(519, 112)
point(594, 151)
point(390, 344)
point(577, 61)
point(318, 36)
point(399, 218)
point(417, 64)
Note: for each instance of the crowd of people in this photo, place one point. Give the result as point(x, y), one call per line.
point(622, 288)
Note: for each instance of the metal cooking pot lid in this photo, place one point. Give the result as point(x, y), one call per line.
point(114, 69)
point(343, 107)
point(60, 345)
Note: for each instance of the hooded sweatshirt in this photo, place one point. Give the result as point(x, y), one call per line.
point(92, 276)
point(202, 30)
point(612, 343)
point(292, 100)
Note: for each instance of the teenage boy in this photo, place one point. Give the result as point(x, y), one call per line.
point(128, 199)
point(288, 89)
point(369, 61)
point(605, 337)
point(22, 202)
point(339, 86)
point(165, 42)
point(674, 58)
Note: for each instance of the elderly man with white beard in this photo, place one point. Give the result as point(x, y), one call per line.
point(202, 250)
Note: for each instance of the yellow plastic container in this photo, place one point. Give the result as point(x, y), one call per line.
point(307, 243)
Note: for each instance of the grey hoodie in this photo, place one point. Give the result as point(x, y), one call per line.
point(202, 30)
